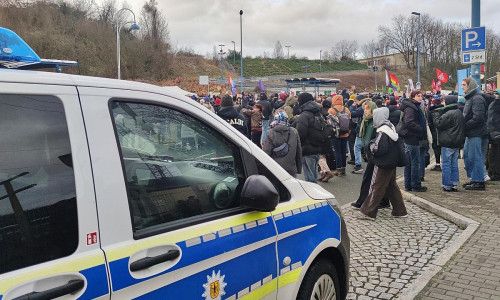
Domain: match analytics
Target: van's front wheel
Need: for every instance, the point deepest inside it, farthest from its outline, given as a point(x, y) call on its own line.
point(320, 283)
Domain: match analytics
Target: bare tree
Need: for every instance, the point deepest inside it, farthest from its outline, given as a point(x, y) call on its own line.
point(346, 50)
point(401, 37)
point(278, 51)
point(106, 11)
point(153, 23)
point(368, 50)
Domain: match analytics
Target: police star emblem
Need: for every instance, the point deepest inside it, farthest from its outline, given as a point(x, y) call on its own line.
point(214, 288)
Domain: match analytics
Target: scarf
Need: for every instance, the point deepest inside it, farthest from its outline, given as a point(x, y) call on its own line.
point(367, 119)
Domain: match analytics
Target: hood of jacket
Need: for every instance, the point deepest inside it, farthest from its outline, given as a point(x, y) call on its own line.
point(409, 103)
point(311, 106)
point(471, 89)
point(291, 100)
point(337, 100)
point(380, 117)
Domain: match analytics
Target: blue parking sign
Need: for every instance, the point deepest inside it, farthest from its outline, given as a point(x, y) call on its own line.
point(473, 39)
point(467, 57)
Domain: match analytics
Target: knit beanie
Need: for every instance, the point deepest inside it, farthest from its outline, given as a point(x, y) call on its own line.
point(448, 99)
point(262, 96)
point(227, 100)
point(305, 97)
point(352, 97)
point(360, 97)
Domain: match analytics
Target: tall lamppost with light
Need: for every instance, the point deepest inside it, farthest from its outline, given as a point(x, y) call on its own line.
point(134, 26)
point(375, 68)
point(320, 60)
point(241, 50)
point(418, 45)
point(288, 47)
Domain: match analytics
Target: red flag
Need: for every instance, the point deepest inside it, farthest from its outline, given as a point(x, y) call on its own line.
point(442, 76)
point(433, 85)
point(438, 85)
point(494, 85)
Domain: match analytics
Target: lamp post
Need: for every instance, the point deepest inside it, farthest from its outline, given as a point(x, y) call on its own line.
point(241, 51)
point(288, 47)
point(134, 26)
point(221, 66)
point(375, 69)
point(418, 46)
point(234, 52)
point(320, 60)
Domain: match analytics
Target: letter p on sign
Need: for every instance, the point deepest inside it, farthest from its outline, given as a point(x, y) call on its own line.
point(470, 37)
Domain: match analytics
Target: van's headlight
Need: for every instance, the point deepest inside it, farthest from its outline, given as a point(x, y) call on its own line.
point(335, 205)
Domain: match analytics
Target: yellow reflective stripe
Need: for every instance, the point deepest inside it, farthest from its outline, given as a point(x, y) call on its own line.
point(262, 291)
point(74, 264)
point(299, 204)
point(289, 277)
point(182, 235)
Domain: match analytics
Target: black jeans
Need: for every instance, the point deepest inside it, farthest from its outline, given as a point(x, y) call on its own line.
point(366, 184)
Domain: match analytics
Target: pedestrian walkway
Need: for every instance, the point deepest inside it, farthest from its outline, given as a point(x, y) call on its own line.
point(425, 256)
point(474, 271)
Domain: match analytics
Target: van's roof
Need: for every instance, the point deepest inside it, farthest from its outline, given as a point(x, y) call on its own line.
point(39, 77)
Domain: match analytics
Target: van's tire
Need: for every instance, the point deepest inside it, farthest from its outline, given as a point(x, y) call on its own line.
point(320, 282)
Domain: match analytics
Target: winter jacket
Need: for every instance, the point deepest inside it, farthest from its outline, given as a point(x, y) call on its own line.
point(255, 118)
point(268, 109)
point(433, 128)
point(305, 125)
point(494, 121)
point(278, 104)
point(394, 114)
point(450, 124)
point(338, 104)
point(288, 107)
point(383, 151)
point(292, 162)
point(475, 113)
point(412, 131)
point(235, 119)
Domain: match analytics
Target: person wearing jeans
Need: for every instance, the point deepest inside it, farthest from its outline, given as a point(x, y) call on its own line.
point(449, 167)
point(450, 125)
point(412, 171)
point(310, 167)
point(475, 129)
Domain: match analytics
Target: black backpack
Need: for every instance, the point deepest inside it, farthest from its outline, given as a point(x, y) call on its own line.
point(321, 133)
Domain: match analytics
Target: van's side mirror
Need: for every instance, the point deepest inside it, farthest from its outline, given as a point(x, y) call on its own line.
point(259, 193)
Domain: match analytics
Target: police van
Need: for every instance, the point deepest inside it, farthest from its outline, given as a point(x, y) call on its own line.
point(114, 189)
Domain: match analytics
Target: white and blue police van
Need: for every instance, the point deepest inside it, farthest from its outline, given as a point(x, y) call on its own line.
point(114, 189)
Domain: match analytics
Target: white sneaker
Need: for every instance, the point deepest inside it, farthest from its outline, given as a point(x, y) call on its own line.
point(486, 178)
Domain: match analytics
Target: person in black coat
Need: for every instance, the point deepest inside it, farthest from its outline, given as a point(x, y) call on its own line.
point(494, 129)
point(475, 129)
point(229, 113)
point(394, 112)
point(435, 104)
point(450, 125)
point(383, 152)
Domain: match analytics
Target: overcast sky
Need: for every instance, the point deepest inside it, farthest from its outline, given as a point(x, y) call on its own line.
point(308, 26)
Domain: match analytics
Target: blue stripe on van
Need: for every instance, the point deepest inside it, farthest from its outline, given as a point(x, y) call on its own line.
point(97, 282)
point(121, 278)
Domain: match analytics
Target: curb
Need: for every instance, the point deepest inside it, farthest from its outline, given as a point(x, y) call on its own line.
point(470, 226)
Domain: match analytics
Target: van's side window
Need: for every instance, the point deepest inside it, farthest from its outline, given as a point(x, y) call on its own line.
point(177, 169)
point(38, 214)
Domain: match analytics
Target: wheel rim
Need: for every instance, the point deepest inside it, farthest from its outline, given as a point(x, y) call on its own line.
point(324, 288)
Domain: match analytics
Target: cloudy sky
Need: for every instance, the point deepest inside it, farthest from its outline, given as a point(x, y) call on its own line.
point(308, 26)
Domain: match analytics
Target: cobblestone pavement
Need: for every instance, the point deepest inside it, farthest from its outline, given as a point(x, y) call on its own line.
point(474, 270)
point(388, 254)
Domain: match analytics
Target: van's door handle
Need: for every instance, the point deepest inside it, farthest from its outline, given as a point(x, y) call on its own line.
point(71, 287)
point(147, 262)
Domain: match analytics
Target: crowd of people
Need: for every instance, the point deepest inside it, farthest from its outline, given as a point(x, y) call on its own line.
point(319, 136)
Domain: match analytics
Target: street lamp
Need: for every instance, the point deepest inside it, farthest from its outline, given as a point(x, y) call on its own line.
point(375, 69)
point(221, 66)
point(234, 52)
point(134, 26)
point(320, 60)
point(418, 46)
point(241, 51)
point(288, 47)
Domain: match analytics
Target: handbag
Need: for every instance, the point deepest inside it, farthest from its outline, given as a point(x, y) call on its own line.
point(282, 150)
point(403, 160)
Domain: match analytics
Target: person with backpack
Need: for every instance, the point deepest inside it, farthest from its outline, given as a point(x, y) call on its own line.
point(327, 155)
point(340, 118)
point(283, 144)
point(450, 136)
point(494, 139)
point(475, 129)
point(313, 132)
point(383, 152)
